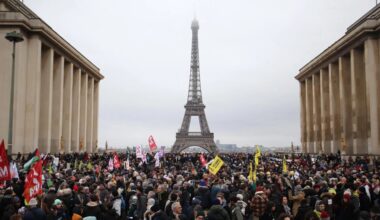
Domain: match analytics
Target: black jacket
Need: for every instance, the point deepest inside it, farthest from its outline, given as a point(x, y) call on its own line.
point(34, 214)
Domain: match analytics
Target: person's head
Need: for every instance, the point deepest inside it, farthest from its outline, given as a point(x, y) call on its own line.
point(317, 187)
point(33, 202)
point(57, 204)
point(284, 216)
point(200, 215)
point(176, 208)
point(319, 206)
point(173, 197)
point(16, 202)
point(94, 198)
point(346, 198)
point(217, 212)
point(284, 200)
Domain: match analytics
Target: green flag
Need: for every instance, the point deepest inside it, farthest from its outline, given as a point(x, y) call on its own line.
point(80, 165)
point(89, 166)
point(50, 170)
point(28, 164)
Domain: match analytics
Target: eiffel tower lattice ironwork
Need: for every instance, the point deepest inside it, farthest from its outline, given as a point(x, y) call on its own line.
point(194, 107)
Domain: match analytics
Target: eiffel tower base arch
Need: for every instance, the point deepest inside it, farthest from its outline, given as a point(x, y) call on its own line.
point(184, 141)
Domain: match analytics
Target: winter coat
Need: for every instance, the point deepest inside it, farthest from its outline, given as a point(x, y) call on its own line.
point(204, 194)
point(160, 215)
point(92, 209)
point(34, 214)
point(346, 212)
point(116, 205)
point(296, 201)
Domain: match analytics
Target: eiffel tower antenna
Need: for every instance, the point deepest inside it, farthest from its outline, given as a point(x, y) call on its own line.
point(195, 9)
point(194, 106)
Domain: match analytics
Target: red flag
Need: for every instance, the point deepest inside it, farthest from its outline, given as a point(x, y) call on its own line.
point(33, 182)
point(203, 160)
point(116, 161)
point(5, 173)
point(152, 143)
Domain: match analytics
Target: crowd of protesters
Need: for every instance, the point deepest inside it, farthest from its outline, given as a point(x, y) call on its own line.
point(81, 186)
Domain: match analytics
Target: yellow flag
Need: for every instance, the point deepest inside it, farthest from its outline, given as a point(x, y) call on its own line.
point(250, 175)
point(50, 170)
point(215, 165)
point(254, 176)
point(284, 166)
point(258, 151)
point(256, 160)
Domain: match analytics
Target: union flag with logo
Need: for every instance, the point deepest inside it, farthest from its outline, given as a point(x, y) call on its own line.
point(5, 173)
point(116, 161)
point(152, 144)
point(33, 182)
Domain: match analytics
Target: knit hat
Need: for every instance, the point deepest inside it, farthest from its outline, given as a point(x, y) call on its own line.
point(346, 196)
point(239, 196)
point(259, 189)
point(57, 202)
point(33, 202)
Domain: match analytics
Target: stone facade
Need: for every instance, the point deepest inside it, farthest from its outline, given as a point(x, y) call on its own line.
point(340, 92)
point(56, 88)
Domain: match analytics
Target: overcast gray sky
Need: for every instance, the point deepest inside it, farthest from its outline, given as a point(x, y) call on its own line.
point(250, 51)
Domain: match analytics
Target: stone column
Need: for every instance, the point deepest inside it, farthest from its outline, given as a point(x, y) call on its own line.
point(90, 105)
point(32, 95)
point(95, 116)
point(372, 71)
point(6, 49)
point(21, 63)
point(57, 104)
point(359, 102)
point(303, 116)
point(309, 115)
point(67, 106)
point(75, 124)
point(334, 106)
point(83, 112)
point(345, 103)
point(325, 111)
point(46, 99)
point(317, 112)
point(5, 83)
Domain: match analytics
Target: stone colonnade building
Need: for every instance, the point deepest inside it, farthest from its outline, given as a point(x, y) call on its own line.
point(340, 92)
point(56, 95)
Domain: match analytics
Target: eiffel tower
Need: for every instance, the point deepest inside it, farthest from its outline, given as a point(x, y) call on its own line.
point(194, 107)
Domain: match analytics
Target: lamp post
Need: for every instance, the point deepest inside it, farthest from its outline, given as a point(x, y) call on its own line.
point(13, 37)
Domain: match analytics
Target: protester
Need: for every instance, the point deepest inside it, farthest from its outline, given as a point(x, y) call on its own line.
point(181, 186)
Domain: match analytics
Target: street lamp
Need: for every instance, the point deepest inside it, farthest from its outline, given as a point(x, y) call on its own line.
point(13, 37)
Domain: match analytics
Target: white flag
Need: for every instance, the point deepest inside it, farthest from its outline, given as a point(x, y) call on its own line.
point(110, 165)
point(139, 153)
point(144, 157)
point(126, 164)
point(55, 163)
point(157, 157)
point(13, 170)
